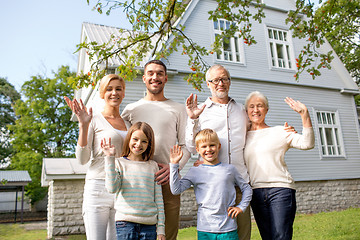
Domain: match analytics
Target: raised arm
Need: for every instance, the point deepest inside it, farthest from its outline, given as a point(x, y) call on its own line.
point(84, 118)
point(300, 108)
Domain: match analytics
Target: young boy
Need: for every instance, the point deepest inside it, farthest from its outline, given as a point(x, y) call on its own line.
point(214, 185)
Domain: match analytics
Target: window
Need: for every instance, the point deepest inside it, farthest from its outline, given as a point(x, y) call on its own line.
point(280, 50)
point(330, 134)
point(232, 48)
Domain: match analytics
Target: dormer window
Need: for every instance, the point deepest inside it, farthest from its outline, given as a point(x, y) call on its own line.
point(232, 47)
point(281, 53)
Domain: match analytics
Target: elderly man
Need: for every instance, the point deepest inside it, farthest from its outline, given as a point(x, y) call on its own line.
point(228, 118)
point(168, 120)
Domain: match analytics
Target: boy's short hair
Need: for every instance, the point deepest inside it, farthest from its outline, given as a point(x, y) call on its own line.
point(206, 134)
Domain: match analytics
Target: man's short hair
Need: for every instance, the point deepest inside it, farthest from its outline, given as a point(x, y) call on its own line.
point(205, 135)
point(214, 67)
point(155, 61)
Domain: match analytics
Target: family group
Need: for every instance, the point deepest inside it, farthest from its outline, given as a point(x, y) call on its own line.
point(133, 185)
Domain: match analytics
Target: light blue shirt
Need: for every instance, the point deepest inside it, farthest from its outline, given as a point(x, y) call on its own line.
point(214, 187)
point(230, 123)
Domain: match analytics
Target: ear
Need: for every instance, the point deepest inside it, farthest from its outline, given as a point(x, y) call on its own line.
point(207, 84)
point(143, 77)
point(219, 146)
point(166, 78)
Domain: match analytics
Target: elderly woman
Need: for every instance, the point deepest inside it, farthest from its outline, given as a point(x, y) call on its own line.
point(273, 202)
point(98, 203)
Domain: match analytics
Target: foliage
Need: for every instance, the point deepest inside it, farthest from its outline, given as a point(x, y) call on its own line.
point(8, 97)
point(43, 128)
point(156, 32)
point(340, 22)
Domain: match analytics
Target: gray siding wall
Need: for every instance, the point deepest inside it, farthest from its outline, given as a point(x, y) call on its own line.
point(257, 64)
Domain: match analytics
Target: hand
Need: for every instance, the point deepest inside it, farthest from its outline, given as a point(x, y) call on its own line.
point(162, 176)
point(297, 106)
point(108, 149)
point(161, 237)
point(175, 154)
point(79, 110)
point(192, 109)
point(233, 212)
point(289, 128)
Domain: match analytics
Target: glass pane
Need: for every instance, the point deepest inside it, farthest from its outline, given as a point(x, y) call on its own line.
point(281, 36)
point(238, 57)
point(333, 118)
point(330, 150)
point(236, 40)
point(216, 25)
point(226, 44)
point(323, 150)
point(270, 33)
point(324, 118)
point(319, 118)
point(222, 24)
point(321, 136)
point(276, 35)
point(288, 55)
point(329, 136)
point(329, 118)
point(279, 49)
point(227, 24)
point(285, 36)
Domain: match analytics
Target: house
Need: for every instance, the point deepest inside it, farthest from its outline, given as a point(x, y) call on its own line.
point(328, 176)
point(11, 183)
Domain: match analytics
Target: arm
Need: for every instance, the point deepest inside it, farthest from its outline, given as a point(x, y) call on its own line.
point(112, 179)
point(177, 185)
point(160, 206)
point(192, 125)
point(83, 150)
point(245, 189)
point(307, 139)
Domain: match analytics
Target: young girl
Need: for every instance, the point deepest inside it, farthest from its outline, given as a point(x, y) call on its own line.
point(139, 204)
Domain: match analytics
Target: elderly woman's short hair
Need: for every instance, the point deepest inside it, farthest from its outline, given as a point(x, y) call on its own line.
point(259, 95)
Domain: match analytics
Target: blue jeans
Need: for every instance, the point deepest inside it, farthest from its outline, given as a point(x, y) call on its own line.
point(135, 231)
point(274, 211)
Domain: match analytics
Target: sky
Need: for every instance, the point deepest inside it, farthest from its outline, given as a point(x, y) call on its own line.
point(39, 36)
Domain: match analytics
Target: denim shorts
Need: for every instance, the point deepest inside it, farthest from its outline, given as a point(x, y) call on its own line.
point(135, 231)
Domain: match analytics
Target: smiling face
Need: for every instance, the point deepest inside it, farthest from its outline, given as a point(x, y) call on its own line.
point(219, 91)
point(114, 93)
point(138, 145)
point(256, 110)
point(209, 151)
point(155, 78)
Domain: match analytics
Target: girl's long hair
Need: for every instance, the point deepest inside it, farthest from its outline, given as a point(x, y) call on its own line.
point(149, 133)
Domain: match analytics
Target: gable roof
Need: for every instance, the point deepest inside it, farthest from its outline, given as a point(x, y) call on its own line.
point(62, 168)
point(107, 35)
point(15, 178)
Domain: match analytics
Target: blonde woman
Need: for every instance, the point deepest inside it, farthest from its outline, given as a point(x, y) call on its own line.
point(98, 203)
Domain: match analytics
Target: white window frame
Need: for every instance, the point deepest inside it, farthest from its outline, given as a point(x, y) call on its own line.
point(235, 50)
point(328, 129)
point(280, 39)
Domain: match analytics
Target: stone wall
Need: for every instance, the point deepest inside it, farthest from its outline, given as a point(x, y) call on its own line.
point(65, 207)
point(65, 202)
point(324, 196)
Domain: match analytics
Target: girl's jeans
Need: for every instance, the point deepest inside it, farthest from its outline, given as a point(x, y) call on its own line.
point(98, 211)
point(135, 231)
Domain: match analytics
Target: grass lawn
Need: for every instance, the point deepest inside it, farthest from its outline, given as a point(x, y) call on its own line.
point(343, 225)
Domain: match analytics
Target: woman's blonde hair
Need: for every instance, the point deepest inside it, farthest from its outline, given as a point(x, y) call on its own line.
point(104, 82)
point(149, 133)
point(205, 135)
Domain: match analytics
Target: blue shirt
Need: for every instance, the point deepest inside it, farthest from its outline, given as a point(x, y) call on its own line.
point(214, 187)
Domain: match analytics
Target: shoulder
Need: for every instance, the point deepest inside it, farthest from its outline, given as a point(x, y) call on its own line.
point(133, 104)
